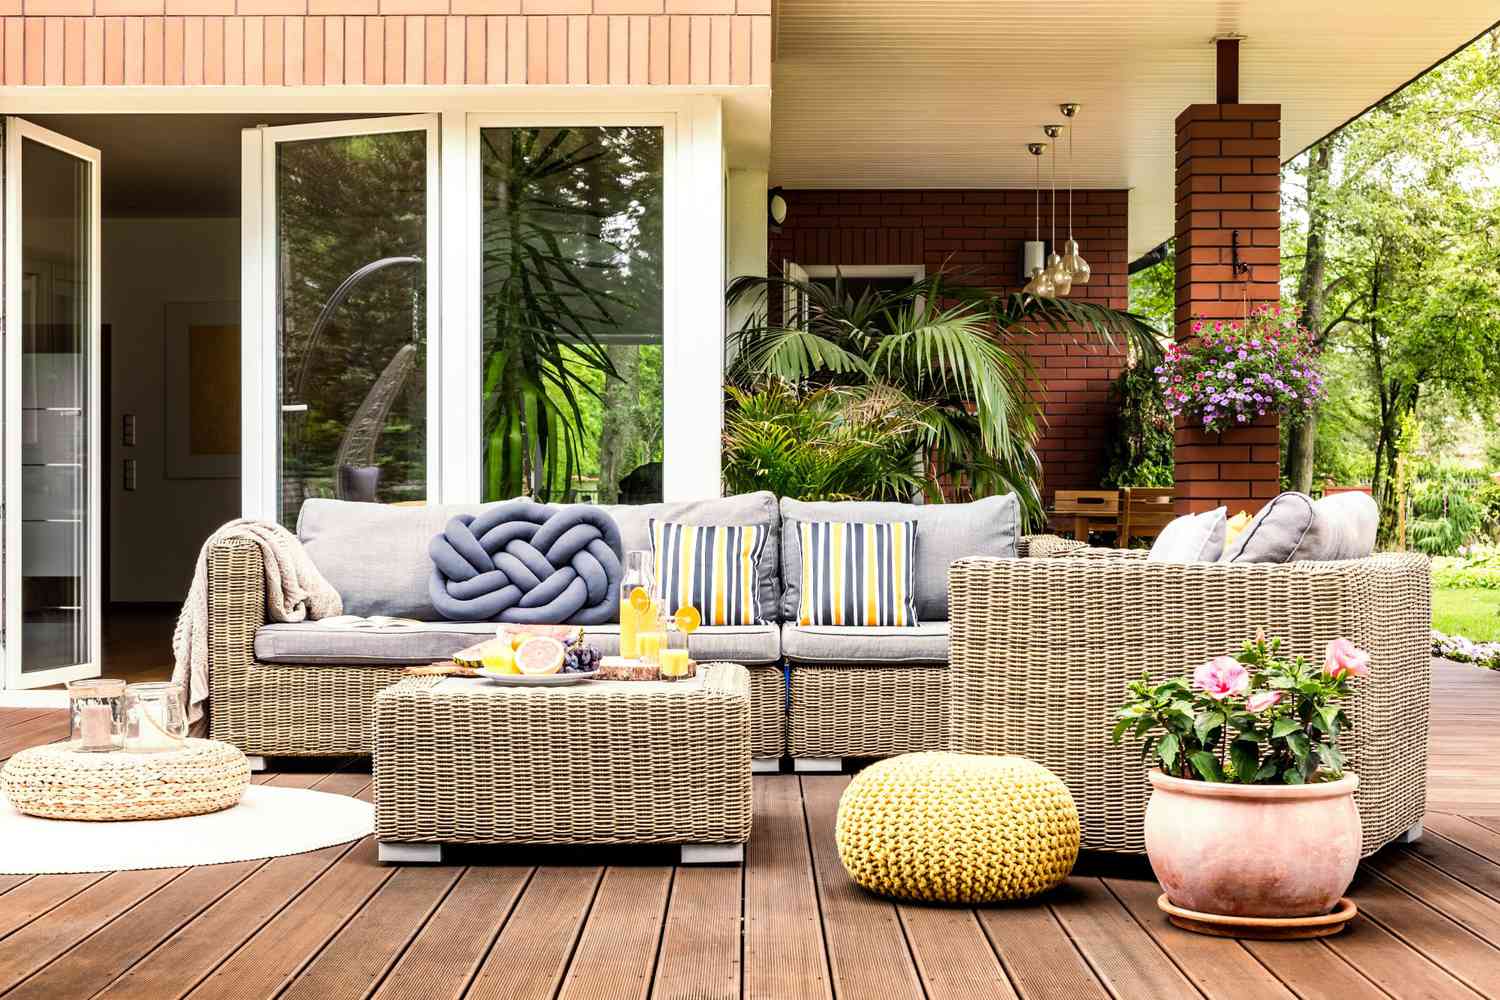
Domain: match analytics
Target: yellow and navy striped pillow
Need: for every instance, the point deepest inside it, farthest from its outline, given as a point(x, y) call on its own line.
point(858, 573)
point(712, 567)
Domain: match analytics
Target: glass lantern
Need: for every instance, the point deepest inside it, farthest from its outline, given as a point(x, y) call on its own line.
point(96, 714)
point(155, 718)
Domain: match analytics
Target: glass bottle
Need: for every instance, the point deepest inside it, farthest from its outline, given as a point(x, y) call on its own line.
point(96, 714)
point(675, 663)
point(637, 613)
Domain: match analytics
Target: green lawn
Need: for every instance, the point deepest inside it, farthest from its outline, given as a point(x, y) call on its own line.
point(1471, 613)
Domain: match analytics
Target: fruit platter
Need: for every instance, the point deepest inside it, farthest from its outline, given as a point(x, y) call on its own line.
point(532, 656)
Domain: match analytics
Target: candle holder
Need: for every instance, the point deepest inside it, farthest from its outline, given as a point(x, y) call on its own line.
point(96, 714)
point(155, 719)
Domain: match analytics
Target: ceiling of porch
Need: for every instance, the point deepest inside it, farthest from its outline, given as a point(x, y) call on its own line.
point(945, 93)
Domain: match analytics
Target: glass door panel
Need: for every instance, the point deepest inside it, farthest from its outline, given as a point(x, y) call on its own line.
point(51, 483)
point(571, 306)
point(353, 210)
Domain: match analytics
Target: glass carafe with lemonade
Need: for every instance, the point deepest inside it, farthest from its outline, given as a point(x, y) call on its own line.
point(639, 608)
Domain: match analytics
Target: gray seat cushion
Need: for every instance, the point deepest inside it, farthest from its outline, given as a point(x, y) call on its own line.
point(329, 642)
point(945, 532)
point(1295, 527)
point(375, 555)
point(839, 645)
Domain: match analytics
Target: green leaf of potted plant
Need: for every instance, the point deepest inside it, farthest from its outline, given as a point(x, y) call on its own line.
point(1252, 813)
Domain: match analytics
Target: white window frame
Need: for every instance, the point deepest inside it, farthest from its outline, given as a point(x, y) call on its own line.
point(261, 402)
point(694, 233)
point(11, 644)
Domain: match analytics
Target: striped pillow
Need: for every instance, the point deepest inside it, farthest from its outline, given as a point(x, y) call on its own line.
point(858, 573)
point(712, 567)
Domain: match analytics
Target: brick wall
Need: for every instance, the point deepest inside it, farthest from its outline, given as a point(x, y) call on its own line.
point(339, 42)
point(981, 232)
point(1228, 181)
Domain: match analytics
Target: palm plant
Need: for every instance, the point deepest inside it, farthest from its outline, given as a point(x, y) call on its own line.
point(953, 353)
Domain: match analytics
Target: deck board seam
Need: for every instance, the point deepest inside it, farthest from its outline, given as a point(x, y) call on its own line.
point(1408, 853)
point(1104, 883)
point(583, 923)
point(1083, 955)
point(1422, 955)
point(661, 932)
point(812, 865)
point(39, 916)
point(379, 981)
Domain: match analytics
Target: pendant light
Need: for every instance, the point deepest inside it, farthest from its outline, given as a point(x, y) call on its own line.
point(1072, 259)
point(1062, 278)
point(1040, 284)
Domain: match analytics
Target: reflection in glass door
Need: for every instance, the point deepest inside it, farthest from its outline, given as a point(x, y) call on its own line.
point(351, 209)
point(51, 401)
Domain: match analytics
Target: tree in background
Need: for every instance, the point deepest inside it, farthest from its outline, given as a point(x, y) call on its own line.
point(1396, 259)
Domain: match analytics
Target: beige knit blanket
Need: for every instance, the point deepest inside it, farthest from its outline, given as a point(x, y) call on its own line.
point(295, 591)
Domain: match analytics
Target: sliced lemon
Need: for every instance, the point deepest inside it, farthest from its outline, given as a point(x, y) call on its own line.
point(640, 600)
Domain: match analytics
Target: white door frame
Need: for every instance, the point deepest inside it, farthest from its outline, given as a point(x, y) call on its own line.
point(17, 130)
point(260, 394)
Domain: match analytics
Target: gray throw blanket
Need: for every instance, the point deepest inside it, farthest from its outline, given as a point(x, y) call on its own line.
point(295, 591)
point(526, 563)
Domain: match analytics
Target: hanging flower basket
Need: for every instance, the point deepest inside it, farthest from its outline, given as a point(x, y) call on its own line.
point(1239, 370)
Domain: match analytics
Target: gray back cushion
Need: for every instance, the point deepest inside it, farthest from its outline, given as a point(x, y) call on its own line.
point(376, 557)
point(945, 532)
point(1295, 527)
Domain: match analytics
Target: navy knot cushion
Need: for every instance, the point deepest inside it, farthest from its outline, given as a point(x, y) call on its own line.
point(528, 564)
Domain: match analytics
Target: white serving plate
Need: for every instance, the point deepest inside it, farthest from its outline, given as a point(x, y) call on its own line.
point(537, 680)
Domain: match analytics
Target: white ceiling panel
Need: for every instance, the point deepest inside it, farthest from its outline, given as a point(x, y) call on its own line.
point(945, 93)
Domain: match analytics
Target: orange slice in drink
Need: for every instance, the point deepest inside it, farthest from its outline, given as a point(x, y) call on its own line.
point(640, 600)
point(539, 655)
point(687, 619)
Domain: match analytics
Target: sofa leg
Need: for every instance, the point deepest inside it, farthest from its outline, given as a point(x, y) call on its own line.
point(1410, 835)
point(393, 853)
point(713, 854)
point(765, 765)
point(257, 763)
point(818, 765)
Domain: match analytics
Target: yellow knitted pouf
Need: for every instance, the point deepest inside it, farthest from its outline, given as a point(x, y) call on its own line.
point(957, 828)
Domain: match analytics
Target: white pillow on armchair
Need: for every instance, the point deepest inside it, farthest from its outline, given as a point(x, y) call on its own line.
point(1191, 538)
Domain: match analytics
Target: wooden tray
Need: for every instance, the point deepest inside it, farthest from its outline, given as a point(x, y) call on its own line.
point(1260, 928)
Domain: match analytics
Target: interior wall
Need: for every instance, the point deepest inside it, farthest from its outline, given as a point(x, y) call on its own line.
point(157, 529)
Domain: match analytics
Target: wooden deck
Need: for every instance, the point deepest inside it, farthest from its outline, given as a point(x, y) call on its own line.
point(620, 924)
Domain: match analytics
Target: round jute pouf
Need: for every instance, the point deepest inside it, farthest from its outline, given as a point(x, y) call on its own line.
point(957, 828)
point(57, 781)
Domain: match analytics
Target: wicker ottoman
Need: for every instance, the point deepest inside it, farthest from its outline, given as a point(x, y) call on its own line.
point(956, 828)
point(58, 782)
point(464, 761)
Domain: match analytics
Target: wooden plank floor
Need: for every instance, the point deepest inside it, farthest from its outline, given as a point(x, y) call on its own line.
point(621, 924)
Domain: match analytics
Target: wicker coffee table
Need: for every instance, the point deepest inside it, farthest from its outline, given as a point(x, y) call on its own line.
point(58, 781)
point(465, 761)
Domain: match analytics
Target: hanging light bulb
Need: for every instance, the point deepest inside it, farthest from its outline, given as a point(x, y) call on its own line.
point(1072, 259)
point(1062, 278)
point(1040, 284)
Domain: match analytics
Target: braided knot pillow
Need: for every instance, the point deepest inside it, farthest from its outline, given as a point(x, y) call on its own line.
point(526, 563)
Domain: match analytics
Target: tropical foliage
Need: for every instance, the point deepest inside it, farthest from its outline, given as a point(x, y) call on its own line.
point(1253, 719)
point(949, 356)
point(1139, 451)
point(571, 307)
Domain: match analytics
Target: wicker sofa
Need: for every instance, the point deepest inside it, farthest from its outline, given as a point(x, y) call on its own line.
point(818, 694)
point(1042, 650)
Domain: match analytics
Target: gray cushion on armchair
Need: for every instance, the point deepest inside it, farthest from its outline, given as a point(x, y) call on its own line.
point(945, 532)
point(1295, 527)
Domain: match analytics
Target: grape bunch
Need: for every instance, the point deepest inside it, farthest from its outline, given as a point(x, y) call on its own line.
point(581, 659)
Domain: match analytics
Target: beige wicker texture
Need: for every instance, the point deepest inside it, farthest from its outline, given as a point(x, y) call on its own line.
point(957, 828)
point(60, 782)
point(1041, 651)
point(597, 763)
point(767, 711)
point(325, 710)
point(849, 710)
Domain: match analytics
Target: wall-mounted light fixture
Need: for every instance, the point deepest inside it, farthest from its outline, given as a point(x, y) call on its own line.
point(776, 206)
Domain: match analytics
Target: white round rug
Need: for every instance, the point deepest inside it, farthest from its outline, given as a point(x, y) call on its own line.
point(269, 822)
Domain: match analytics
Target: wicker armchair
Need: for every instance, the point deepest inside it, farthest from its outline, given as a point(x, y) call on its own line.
point(1041, 651)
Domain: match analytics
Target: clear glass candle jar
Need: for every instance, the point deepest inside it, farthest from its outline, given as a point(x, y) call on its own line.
point(96, 714)
point(155, 717)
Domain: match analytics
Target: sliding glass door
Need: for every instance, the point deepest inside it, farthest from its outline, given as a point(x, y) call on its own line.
point(51, 407)
point(345, 275)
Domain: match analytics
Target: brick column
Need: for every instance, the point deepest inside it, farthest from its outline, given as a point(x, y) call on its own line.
point(1228, 179)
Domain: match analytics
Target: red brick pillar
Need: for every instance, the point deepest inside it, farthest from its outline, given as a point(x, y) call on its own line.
point(1228, 179)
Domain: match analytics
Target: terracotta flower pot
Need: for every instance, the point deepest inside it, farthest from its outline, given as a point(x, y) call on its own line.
point(1253, 850)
